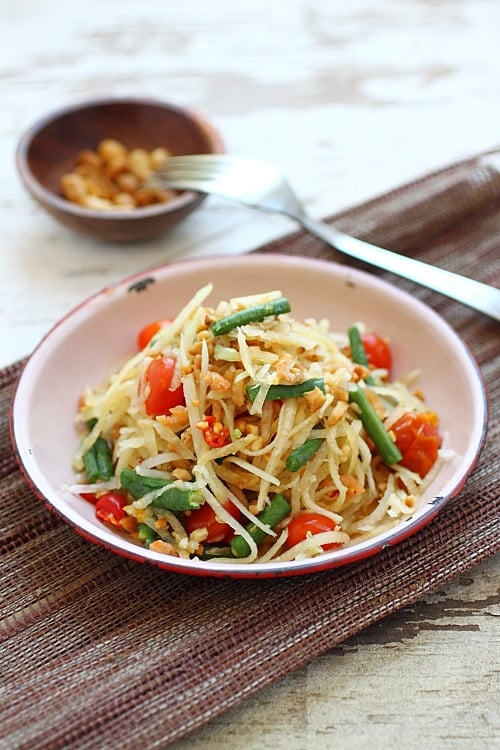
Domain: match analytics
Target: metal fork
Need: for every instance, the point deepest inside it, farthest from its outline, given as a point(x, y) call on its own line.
point(259, 184)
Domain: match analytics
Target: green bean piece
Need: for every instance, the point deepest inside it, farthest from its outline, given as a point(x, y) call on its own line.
point(90, 464)
point(146, 534)
point(172, 497)
point(250, 315)
point(278, 392)
point(388, 450)
point(138, 485)
point(301, 455)
point(176, 499)
point(98, 460)
point(358, 353)
point(275, 512)
point(104, 458)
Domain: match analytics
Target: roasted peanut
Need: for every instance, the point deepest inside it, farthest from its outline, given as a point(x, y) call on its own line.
point(74, 187)
point(110, 148)
point(112, 177)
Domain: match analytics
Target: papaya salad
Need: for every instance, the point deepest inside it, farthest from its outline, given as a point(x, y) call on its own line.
point(240, 434)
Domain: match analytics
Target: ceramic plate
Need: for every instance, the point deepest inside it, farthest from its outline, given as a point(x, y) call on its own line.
point(100, 334)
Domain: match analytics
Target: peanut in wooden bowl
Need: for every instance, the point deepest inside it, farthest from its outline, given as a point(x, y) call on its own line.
point(49, 149)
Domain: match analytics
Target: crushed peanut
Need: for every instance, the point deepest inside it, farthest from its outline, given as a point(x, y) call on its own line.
point(176, 420)
point(288, 371)
point(337, 413)
point(238, 393)
point(217, 381)
point(129, 523)
point(315, 399)
point(183, 474)
point(165, 547)
point(341, 394)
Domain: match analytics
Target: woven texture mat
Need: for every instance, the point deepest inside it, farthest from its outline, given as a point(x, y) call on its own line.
point(100, 652)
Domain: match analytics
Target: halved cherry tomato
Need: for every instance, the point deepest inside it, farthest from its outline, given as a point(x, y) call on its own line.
point(310, 523)
point(215, 434)
point(109, 508)
point(378, 351)
point(205, 518)
point(89, 496)
point(147, 333)
point(160, 397)
point(418, 440)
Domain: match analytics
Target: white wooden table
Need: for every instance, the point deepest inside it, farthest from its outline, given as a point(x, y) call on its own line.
point(350, 99)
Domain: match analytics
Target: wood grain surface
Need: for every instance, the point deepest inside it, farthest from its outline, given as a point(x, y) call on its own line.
point(420, 678)
point(350, 99)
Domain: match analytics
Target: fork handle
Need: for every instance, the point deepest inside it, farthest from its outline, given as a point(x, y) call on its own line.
point(473, 293)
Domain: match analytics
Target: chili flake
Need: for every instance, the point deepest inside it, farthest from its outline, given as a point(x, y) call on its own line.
point(215, 434)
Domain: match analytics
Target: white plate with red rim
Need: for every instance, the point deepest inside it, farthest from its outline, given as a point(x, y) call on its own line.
point(98, 335)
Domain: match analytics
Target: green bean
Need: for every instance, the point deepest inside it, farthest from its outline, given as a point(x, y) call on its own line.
point(97, 460)
point(387, 449)
point(358, 353)
point(104, 458)
point(146, 534)
point(278, 392)
point(176, 499)
point(301, 455)
point(250, 315)
point(275, 512)
point(172, 498)
point(138, 485)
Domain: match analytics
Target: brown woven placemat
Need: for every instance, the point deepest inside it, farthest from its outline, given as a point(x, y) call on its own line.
point(100, 652)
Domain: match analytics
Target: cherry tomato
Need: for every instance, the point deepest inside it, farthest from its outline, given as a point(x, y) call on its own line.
point(215, 434)
point(89, 497)
point(205, 518)
point(378, 351)
point(109, 508)
point(418, 440)
point(160, 398)
point(310, 523)
point(147, 333)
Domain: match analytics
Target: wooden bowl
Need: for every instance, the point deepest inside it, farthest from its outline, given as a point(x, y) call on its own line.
point(49, 149)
